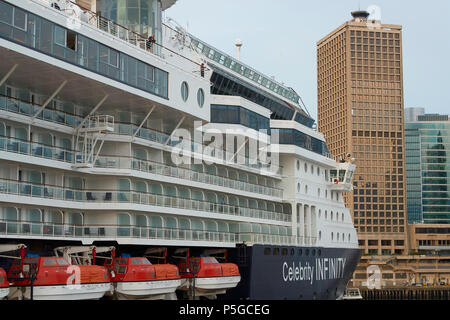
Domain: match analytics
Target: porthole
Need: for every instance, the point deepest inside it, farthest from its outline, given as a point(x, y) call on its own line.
point(337, 236)
point(306, 167)
point(332, 236)
point(292, 251)
point(342, 217)
point(298, 187)
point(320, 235)
point(314, 252)
point(298, 165)
point(300, 252)
point(184, 91)
point(307, 252)
point(349, 237)
point(200, 98)
point(319, 252)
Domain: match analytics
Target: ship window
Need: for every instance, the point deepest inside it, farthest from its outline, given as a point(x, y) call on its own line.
point(121, 269)
point(20, 19)
point(300, 252)
point(145, 261)
point(65, 38)
point(319, 252)
point(307, 252)
point(136, 261)
point(284, 252)
point(292, 252)
point(49, 262)
point(61, 261)
point(267, 251)
point(201, 98)
point(314, 252)
point(276, 251)
point(6, 13)
point(184, 91)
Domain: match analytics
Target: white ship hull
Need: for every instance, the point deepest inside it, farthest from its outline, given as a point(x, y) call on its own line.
point(61, 292)
point(147, 289)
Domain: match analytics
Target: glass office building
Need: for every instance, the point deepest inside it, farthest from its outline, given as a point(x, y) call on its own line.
point(428, 168)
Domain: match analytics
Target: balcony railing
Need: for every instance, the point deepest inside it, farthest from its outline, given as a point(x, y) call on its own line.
point(26, 108)
point(48, 229)
point(184, 173)
point(220, 156)
point(29, 109)
point(41, 150)
point(37, 190)
point(111, 232)
point(36, 149)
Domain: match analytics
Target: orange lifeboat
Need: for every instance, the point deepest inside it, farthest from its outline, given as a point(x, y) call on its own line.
point(53, 278)
point(208, 276)
point(137, 278)
point(4, 284)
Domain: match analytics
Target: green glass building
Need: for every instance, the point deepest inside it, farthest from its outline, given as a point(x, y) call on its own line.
point(427, 145)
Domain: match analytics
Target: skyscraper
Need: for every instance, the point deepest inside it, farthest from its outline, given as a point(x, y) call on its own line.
point(360, 111)
point(427, 170)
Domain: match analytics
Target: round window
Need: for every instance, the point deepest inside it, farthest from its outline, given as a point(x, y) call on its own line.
point(184, 91)
point(200, 98)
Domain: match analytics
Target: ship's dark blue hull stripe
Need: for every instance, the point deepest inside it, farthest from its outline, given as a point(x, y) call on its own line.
point(323, 274)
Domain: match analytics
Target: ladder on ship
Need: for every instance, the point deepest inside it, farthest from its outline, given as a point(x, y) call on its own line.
point(90, 139)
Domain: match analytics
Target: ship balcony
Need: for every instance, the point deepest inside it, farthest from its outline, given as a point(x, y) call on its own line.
point(107, 124)
point(341, 178)
point(87, 198)
point(39, 230)
point(69, 156)
point(93, 232)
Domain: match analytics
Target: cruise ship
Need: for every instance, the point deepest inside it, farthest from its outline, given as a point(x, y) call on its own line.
point(122, 133)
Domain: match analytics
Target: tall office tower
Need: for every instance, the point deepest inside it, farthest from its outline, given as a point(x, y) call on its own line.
point(427, 171)
point(360, 111)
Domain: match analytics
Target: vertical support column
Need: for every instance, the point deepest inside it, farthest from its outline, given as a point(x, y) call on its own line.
point(294, 219)
point(301, 224)
point(308, 224)
point(314, 224)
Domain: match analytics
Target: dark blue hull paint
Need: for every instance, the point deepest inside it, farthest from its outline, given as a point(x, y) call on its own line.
point(269, 276)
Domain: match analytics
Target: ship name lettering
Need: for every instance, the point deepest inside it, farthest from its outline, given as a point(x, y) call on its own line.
point(330, 268)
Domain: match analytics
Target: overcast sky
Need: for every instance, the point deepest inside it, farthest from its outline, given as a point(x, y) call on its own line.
point(280, 39)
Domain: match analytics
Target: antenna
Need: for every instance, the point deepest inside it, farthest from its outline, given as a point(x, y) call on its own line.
point(238, 44)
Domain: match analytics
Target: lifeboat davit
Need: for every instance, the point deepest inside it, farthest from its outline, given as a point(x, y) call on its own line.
point(136, 278)
point(208, 276)
point(4, 284)
point(53, 278)
point(131, 277)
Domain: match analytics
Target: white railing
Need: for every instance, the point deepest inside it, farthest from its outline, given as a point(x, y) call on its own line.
point(113, 196)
